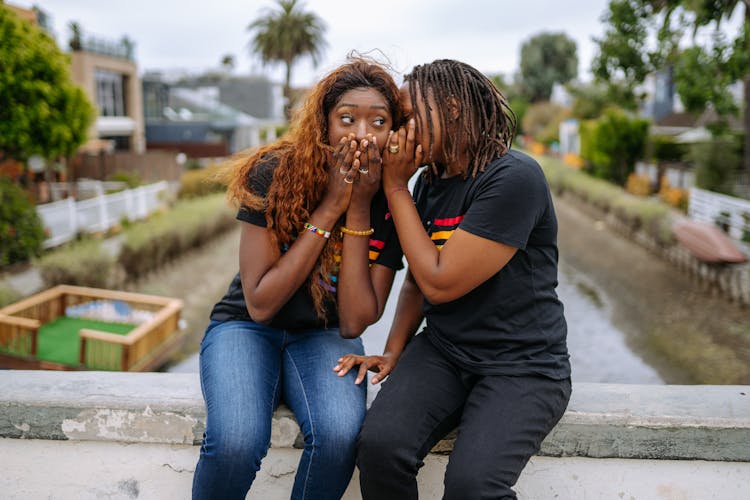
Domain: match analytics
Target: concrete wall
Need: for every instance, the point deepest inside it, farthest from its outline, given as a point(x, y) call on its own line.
point(79, 435)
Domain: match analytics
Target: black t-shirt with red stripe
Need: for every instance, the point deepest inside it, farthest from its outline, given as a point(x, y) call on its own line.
point(299, 312)
point(513, 323)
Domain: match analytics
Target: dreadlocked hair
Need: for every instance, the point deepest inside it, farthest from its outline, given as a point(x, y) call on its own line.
point(487, 123)
point(300, 177)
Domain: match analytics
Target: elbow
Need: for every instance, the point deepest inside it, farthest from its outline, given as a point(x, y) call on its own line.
point(260, 315)
point(351, 329)
point(437, 296)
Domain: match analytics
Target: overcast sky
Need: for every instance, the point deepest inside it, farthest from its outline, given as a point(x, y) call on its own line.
point(194, 35)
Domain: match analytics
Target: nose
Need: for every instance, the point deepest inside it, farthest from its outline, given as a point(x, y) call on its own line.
point(361, 129)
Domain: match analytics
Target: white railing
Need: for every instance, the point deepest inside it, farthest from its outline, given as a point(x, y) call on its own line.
point(729, 213)
point(64, 219)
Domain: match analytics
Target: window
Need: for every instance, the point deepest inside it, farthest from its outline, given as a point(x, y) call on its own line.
point(110, 97)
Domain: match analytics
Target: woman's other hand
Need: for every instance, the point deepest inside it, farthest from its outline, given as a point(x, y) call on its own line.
point(342, 172)
point(369, 171)
point(381, 365)
point(402, 157)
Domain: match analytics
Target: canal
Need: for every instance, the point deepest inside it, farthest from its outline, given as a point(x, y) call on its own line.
point(603, 347)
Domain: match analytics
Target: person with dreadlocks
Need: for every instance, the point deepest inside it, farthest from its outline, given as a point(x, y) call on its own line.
point(317, 257)
point(479, 237)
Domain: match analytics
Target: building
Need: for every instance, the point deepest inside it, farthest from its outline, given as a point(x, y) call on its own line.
point(108, 74)
point(210, 115)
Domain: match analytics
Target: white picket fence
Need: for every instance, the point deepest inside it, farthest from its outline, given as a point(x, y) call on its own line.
point(721, 210)
point(64, 219)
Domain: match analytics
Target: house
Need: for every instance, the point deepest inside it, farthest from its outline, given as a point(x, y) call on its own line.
point(107, 72)
point(210, 115)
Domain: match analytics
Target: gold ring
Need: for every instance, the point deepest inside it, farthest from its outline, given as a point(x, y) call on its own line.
point(346, 179)
point(393, 149)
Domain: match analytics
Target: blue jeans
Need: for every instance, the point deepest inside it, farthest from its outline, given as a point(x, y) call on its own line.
point(245, 369)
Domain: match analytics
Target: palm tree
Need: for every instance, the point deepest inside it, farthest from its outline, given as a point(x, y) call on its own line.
point(287, 34)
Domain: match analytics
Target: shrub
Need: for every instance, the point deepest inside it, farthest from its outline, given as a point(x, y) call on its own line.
point(7, 295)
point(21, 229)
point(716, 164)
point(83, 263)
point(204, 181)
point(189, 224)
point(639, 185)
point(665, 149)
point(612, 144)
point(131, 179)
point(542, 121)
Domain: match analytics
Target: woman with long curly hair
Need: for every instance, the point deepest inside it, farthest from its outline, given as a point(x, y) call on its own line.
point(318, 254)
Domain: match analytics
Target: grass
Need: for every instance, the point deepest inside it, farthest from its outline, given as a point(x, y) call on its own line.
point(59, 342)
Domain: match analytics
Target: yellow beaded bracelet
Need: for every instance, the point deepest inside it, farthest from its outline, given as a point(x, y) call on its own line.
point(352, 232)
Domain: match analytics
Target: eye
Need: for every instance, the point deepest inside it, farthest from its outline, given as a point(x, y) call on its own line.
point(347, 119)
point(379, 121)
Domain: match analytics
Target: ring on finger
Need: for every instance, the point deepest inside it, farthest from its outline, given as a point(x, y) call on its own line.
point(364, 170)
point(393, 148)
point(343, 170)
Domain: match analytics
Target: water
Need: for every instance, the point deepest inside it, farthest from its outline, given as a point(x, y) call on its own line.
point(598, 350)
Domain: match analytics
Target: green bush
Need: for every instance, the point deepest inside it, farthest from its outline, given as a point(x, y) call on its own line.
point(131, 179)
point(21, 229)
point(664, 149)
point(716, 164)
point(82, 263)
point(636, 212)
point(189, 224)
point(7, 295)
point(612, 144)
point(542, 121)
point(204, 181)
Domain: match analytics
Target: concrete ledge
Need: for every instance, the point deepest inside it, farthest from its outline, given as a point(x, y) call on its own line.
point(602, 421)
point(81, 435)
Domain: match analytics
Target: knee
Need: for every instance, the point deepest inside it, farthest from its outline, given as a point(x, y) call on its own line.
point(236, 448)
point(376, 445)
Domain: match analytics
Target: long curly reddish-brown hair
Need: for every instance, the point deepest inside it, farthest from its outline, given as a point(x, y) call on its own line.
point(301, 175)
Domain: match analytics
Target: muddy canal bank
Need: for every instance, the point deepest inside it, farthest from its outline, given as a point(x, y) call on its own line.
point(632, 316)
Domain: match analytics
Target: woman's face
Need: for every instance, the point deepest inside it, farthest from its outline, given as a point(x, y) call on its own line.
point(422, 135)
point(360, 111)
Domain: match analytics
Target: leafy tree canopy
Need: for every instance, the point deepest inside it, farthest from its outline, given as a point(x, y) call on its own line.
point(546, 59)
point(287, 34)
point(41, 111)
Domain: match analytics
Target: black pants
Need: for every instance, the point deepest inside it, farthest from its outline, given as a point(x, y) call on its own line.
point(501, 423)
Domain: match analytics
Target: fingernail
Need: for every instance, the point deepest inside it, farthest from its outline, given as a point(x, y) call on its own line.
point(411, 122)
point(365, 143)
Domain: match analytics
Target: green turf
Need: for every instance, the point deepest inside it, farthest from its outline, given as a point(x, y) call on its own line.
point(58, 341)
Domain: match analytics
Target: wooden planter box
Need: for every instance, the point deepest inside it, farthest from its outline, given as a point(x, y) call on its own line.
point(146, 348)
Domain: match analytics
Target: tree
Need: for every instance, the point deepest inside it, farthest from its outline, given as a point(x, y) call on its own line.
point(287, 34)
point(546, 59)
point(41, 111)
point(227, 63)
point(702, 70)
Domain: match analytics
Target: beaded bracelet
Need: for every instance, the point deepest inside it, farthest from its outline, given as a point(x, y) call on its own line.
point(317, 230)
point(352, 232)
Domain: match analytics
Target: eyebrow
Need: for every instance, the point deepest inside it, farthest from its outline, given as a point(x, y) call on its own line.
point(374, 106)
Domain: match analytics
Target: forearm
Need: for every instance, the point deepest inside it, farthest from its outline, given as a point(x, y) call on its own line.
point(407, 318)
point(267, 292)
point(359, 304)
point(420, 252)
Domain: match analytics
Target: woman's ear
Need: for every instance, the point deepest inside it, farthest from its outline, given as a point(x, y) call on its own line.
point(453, 108)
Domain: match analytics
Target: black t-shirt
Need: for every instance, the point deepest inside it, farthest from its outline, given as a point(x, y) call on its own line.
point(513, 323)
point(299, 312)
